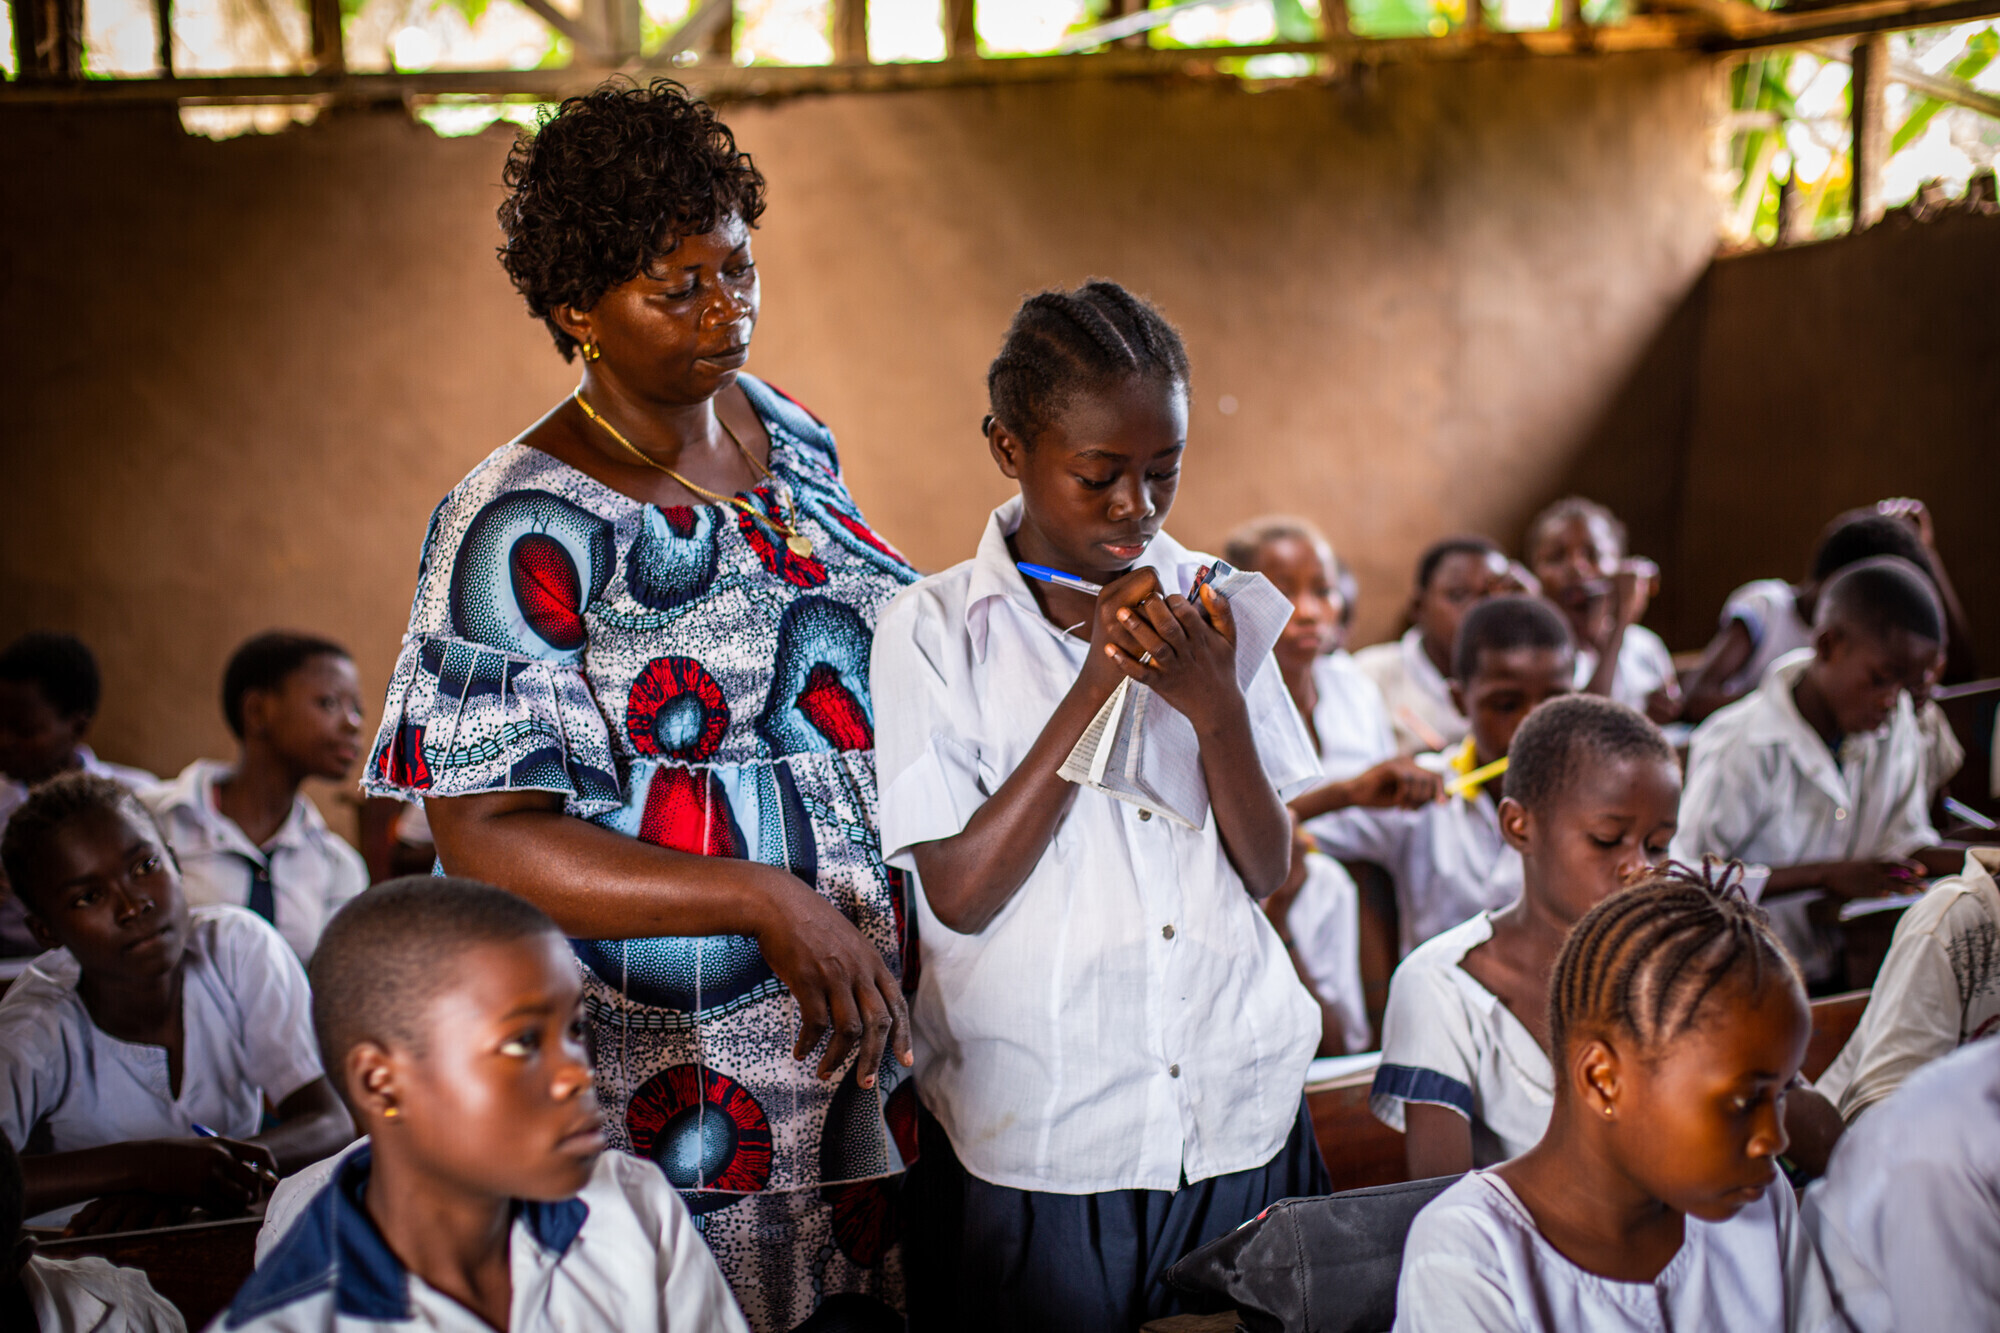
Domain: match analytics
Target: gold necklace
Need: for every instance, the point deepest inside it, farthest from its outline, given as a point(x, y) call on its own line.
point(795, 541)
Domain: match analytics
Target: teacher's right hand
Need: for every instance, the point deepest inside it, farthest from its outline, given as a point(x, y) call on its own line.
point(845, 992)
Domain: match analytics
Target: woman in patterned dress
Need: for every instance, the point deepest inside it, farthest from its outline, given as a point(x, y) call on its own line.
point(635, 691)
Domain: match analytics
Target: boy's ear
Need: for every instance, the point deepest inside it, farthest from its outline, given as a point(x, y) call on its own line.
point(372, 1080)
point(1828, 640)
point(1515, 823)
point(1005, 446)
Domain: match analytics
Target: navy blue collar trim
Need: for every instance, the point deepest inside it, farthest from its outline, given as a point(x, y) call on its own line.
point(335, 1245)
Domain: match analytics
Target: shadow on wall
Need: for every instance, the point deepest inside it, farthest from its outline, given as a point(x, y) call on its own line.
point(1793, 384)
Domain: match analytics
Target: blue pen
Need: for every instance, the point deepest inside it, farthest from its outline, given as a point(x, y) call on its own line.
point(1060, 579)
point(202, 1131)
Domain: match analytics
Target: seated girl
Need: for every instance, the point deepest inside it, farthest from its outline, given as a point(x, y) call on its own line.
point(1576, 547)
point(1654, 1199)
point(137, 1056)
point(1592, 790)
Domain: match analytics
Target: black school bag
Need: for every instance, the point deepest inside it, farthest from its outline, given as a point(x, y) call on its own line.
point(1324, 1265)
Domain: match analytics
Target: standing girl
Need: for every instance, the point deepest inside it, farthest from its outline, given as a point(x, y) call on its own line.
point(1108, 1031)
point(1654, 1201)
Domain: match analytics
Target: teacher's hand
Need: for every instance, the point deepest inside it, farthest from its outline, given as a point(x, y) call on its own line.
point(839, 980)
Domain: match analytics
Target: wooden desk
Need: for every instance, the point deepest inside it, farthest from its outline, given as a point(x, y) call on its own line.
point(198, 1267)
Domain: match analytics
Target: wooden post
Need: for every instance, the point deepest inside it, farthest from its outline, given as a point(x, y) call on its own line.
point(850, 32)
point(163, 24)
point(1870, 126)
point(961, 29)
point(48, 40)
point(722, 42)
point(1333, 13)
point(1118, 9)
point(329, 47)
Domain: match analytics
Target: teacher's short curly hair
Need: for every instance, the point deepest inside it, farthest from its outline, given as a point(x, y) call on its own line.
point(611, 181)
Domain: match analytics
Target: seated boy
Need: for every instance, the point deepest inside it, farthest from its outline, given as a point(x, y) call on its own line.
point(49, 692)
point(244, 833)
point(452, 1015)
point(1818, 779)
point(1449, 859)
point(1453, 576)
point(1577, 549)
point(1938, 989)
point(144, 1022)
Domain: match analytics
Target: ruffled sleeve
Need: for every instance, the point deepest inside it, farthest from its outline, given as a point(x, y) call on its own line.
point(491, 691)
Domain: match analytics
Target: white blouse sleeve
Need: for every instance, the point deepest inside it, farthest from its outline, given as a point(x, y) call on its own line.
point(925, 757)
point(264, 977)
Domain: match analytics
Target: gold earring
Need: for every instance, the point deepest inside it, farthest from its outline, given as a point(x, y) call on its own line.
point(592, 352)
point(390, 1113)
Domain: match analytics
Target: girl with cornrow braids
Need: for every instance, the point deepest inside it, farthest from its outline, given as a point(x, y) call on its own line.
point(1678, 1024)
point(1110, 1037)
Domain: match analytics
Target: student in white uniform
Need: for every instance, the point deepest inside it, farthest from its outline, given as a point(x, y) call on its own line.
point(1907, 1221)
point(1576, 547)
point(244, 832)
point(1317, 909)
point(1447, 857)
point(143, 1021)
point(483, 1197)
point(1108, 1031)
point(1453, 576)
point(1767, 619)
point(82, 1295)
point(1938, 989)
point(49, 692)
point(1818, 778)
point(1654, 1200)
point(1592, 790)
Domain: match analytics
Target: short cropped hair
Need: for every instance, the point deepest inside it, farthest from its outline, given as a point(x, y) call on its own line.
point(1062, 344)
point(58, 665)
point(1642, 962)
point(1502, 624)
point(1881, 596)
point(263, 663)
point(1440, 551)
point(1242, 547)
point(614, 179)
point(50, 806)
point(1559, 742)
point(387, 956)
point(1862, 534)
point(1567, 508)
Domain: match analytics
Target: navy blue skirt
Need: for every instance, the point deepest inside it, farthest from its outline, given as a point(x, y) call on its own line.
point(987, 1258)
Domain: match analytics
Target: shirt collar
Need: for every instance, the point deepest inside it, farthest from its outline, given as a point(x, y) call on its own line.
point(334, 1246)
point(1779, 722)
point(194, 791)
point(996, 578)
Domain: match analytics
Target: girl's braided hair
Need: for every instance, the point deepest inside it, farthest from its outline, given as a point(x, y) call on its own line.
point(1644, 960)
point(1062, 343)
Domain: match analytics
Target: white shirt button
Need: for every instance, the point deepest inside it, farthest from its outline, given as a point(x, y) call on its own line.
point(1840, 813)
point(1173, 1071)
point(1145, 815)
point(1167, 931)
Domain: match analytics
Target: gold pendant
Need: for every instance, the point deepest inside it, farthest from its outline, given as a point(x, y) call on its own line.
point(799, 545)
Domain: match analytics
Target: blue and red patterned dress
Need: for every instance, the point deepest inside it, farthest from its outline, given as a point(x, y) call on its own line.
point(682, 677)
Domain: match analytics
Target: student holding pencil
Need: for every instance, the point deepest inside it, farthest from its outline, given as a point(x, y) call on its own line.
point(1108, 1032)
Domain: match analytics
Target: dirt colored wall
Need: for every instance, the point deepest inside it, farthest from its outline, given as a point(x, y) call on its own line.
point(239, 375)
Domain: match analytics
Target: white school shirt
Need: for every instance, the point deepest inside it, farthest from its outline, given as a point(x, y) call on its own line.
point(1325, 926)
point(1644, 665)
point(1763, 788)
point(313, 871)
point(1769, 610)
point(1411, 683)
point(1129, 1015)
point(1447, 858)
point(1907, 1218)
point(1448, 1041)
point(1938, 989)
point(247, 1021)
point(1350, 718)
point(1474, 1260)
point(91, 1295)
point(623, 1254)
